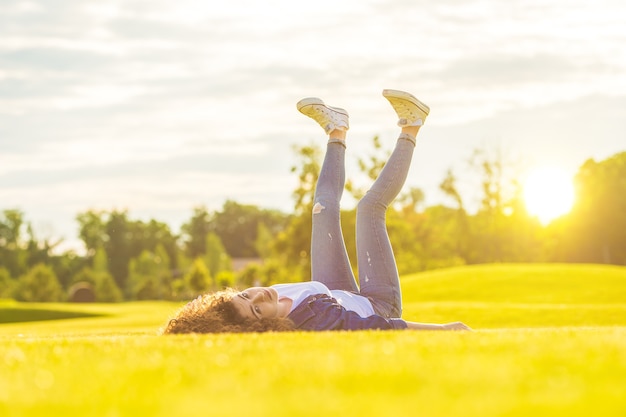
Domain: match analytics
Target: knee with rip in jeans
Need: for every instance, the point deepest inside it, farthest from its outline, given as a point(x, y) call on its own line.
point(318, 207)
point(326, 202)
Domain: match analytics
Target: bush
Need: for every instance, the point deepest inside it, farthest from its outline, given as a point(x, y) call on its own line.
point(107, 290)
point(104, 286)
point(198, 278)
point(39, 284)
point(224, 279)
point(81, 292)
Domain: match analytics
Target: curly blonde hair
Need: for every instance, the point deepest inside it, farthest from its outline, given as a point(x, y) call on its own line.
point(215, 313)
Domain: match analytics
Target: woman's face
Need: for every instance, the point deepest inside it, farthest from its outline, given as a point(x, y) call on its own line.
point(257, 303)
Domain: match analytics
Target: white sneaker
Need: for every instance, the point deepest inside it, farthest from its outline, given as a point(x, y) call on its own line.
point(410, 110)
point(330, 118)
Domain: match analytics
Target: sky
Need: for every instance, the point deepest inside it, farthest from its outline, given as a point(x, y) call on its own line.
point(157, 107)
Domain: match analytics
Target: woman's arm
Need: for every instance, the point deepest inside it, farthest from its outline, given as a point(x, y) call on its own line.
point(321, 312)
point(457, 325)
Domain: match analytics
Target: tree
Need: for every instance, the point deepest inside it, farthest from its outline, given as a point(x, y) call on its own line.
point(597, 231)
point(123, 240)
point(449, 187)
point(460, 222)
point(216, 258)
point(197, 278)
point(292, 246)
point(6, 283)
point(39, 284)
point(250, 276)
point(10, 228)
point(154, 236)
point(370, 167)
point(402, 216)
point(66, 265)
point(196, 231)
point(149, 276)
point(308, 173)
point(117, 246)
point(271, 272)
point(100, 262)
point(492, 238)
point(112, 232)
point(106, 289)
point(92, 230)
point(104, 285)
point(12, 255)
point(237, 226)
point(263, 242)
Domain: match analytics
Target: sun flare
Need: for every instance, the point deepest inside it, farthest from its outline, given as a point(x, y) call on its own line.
point(548, 193)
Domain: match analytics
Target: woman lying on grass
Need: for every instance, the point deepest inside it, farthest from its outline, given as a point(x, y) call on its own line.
point(331, 300)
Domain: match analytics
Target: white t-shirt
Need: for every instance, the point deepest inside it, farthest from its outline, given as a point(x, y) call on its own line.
point(297, 292)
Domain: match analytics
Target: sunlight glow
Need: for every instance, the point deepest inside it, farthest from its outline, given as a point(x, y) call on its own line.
point(548, 193)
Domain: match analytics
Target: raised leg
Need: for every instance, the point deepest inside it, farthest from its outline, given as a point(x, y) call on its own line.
point(378, 272)
point(329, 258)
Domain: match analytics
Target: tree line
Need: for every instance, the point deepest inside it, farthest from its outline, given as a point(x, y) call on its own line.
point(130, 259)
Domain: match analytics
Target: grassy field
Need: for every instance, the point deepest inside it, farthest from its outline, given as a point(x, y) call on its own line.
point(549, 340)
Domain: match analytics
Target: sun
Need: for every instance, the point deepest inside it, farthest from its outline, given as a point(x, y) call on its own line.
point(548, 193)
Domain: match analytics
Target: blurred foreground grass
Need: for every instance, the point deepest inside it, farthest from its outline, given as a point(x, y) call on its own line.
point(549, 340)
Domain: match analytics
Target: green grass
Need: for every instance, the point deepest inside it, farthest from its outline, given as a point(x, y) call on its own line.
point(549, 340)
point(519, 295)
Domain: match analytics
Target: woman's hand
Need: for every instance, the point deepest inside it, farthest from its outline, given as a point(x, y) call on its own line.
point(456, 325)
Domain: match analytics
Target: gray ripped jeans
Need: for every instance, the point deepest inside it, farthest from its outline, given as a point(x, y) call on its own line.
point(378, 273)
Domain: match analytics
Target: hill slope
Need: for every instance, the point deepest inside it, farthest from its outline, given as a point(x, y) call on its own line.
point(520, 283)
point(519, 295)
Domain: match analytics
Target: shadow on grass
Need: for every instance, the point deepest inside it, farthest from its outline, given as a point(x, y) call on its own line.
point(18, 315)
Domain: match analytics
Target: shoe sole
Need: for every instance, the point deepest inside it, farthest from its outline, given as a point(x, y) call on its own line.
point(314, 101)
point(406, 96)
